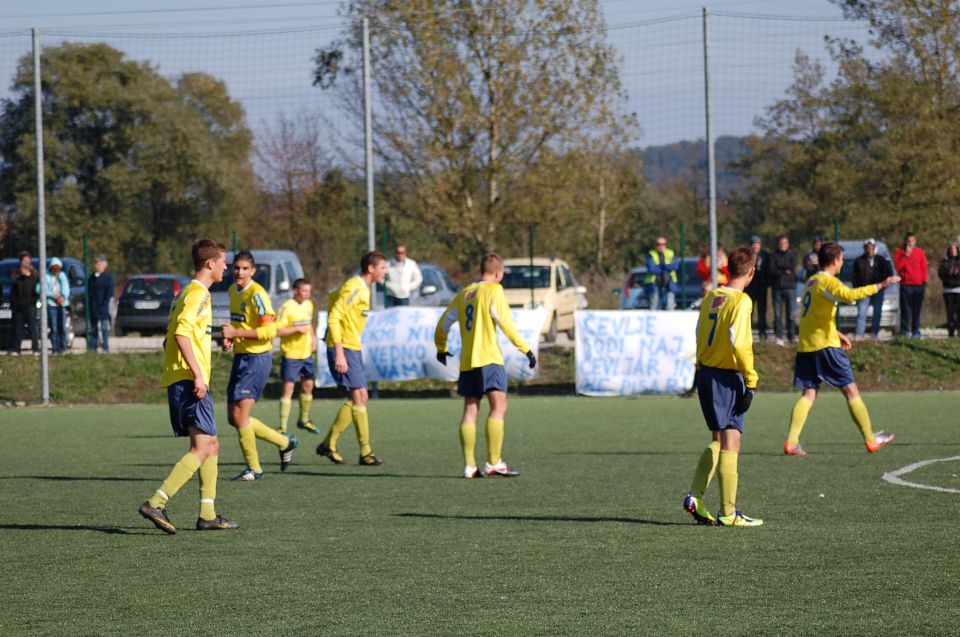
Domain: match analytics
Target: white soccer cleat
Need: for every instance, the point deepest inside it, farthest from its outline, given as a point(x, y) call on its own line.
point(500, 469)
point(472, 472)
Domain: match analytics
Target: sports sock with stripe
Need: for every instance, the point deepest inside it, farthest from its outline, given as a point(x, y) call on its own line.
point(179, 476)
point(208, 487)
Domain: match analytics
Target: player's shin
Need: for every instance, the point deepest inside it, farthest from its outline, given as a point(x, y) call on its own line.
point(285, 406)
point(340, 423)
point(860, 415)
point(179, 476)
point(362, 424)
point(468, 442)
point(798, 417)
point(728, 478)
point(274, 437)
point(248, 445)
point(706, 467)
point(208, 487)
point(494, 433)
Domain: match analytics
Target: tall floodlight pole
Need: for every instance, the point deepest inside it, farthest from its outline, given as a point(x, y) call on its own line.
point(711, 161)
point(41, 222)
point(368, 135)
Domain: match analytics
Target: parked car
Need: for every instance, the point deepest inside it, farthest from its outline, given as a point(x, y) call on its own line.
point(554, 288)
point(847, 314)
point(633, 296)
point(437, 289)
point(145, 302)
point(75, 322)
point(276, 272)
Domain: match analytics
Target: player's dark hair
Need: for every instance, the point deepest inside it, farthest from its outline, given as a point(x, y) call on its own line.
point(828, 253)
point(740, 261)
point(491, 263)
point(780, 237)
point(204, 250)
point(371, 258)
point(244, 255)
point(300, 282)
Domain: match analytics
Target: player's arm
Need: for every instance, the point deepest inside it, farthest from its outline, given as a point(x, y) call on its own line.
point(840, 293)
point(335, 324)
point(186, 326)
point(447, 319)
point(500, 311)
point(741, 341)
point(313, 330)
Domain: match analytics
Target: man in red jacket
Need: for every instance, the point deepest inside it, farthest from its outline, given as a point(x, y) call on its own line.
point(911, 264)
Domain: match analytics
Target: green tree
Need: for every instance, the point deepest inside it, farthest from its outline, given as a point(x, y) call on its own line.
point(487, 112)
point(140, 164)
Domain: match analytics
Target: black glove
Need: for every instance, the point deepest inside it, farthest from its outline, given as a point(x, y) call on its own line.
point(745, 401)
point(532, 359)
point(442, 357)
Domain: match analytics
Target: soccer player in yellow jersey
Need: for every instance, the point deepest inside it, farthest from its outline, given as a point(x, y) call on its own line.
point(298, 344)
point(348, 308)
point(186, 375)
point(820, 354)
point(479, 308)
point(250, 331)
point(726, 381)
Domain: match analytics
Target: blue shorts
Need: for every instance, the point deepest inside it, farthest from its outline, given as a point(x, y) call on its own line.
point(475, 383)
point(186, 411)
point(248, 376)
point(829, 365)
point(355, 378)
point(294, 369)
point(720, 390)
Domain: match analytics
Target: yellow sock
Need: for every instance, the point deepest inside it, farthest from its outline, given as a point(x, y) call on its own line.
point(727, 475)
point(706, 467)
point(208, 488)
point(362, 424)
point(494, 431)
point(285, 404)
point(179, 476)
point(248, 445)
point(468, 441)
point(274, 437)
point(858, 411)
point(305, 401)
point(798, 417)
point(340, 424)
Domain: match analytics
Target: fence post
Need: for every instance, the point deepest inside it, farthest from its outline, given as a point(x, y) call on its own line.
point(683, 270)
point(711, 160)
point(368, 135)
point(41, 222)
point(532, 298)
point(86, 292)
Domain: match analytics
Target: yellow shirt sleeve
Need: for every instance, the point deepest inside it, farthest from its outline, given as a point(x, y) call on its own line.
point(505, 319)
point(742, 341)
point(188, 320)
point(347, 295)
point(842, 294)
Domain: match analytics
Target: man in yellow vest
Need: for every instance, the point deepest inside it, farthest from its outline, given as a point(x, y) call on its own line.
point(661, 281)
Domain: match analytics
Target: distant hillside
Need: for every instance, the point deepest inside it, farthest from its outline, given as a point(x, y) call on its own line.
point(688, 161)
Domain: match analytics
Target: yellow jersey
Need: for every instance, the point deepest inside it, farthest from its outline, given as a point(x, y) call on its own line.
point(293, 314)
point(724, 334)
point(347, 311)
point(479, 308)
point(190, 316)
point(250, 309)
point(818, 310)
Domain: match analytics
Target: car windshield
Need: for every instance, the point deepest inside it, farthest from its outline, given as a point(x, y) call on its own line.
point(262, 276)
point(525, 276)
point(152, 287)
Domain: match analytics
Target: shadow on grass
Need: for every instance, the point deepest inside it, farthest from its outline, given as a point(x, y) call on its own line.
point(369, 475)
point(76, 478)
point(109, 530)
point(925, 349)
point(540, 518)
point(629, 453)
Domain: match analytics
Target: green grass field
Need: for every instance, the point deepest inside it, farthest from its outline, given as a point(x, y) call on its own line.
point(590, 540)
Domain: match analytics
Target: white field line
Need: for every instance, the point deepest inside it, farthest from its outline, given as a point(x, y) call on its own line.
point(893, 477)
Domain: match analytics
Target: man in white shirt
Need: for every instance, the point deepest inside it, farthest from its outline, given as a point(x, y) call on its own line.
point(403, 278)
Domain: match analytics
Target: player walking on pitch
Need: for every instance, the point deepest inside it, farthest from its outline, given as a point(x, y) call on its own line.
point(250, 331)
point(186, 375)
point(726, 381)
point(347, 311)
point(479, 308)
point(298, 344)
point(820, 354)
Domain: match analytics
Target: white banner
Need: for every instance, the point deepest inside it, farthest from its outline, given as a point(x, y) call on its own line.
point(398, 345)
point(631, 352)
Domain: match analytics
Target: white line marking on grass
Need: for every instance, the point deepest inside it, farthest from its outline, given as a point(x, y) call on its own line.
point(893, 477)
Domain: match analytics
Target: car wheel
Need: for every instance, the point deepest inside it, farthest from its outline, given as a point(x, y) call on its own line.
point(551, 334)
point(571, 333)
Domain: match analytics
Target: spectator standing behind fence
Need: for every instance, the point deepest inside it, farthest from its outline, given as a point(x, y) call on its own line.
point(703, 269)
point(661, 281)
point(811, 262)
point(58, 295)
point(101, 287)
point(759, 287)
point(868, 268)
point(23, 305)
point(783, 282)
point(911, 264)
point(949, 272)
point(403, 278)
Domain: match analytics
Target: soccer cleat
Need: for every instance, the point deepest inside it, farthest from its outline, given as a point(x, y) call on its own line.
point(308, 426)
point(500, 469)
point(793, 450)
point(694, 506)
point(880, 439)
point(472, 472)
point(158, 517)
point(738, 519)
point(218, 523)
point(335, 458)
point(248, 475)
point(370, 460)
point(286, 455)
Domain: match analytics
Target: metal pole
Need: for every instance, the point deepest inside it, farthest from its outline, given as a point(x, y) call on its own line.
point(235, 246)
point(86, 292)
point(683, 269)
point(532, 301)
point(836, 230)
point(41, 222)
point(368, 135)
point(711, 165)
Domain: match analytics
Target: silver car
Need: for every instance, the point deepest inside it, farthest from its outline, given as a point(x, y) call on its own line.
point(437, 289)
